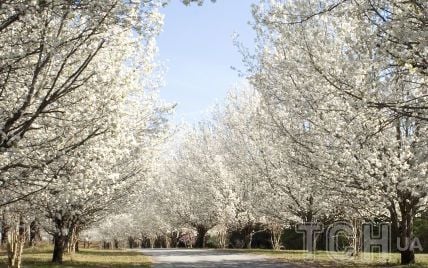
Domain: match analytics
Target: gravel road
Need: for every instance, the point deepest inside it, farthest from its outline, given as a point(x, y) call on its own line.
point(208, 258)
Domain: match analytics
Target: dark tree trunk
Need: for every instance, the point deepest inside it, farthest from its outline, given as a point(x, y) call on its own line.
point(200, 237)
point(174, 239)
point(407, 257)
point(76, 246)
point(248, 232)
point(60, 242)
point(131, 242)
point(406, 237)
point(407, 206)
point(4, 227)
point(394, 226)
point(248, 240)
point(407, 209)
point(61, 238)
point(106, 245)
point(4, 230)
point(145, 242)
point(116, 243)
point(395, 229)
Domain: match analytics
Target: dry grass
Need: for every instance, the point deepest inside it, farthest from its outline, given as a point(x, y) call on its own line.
point(87, 258)
point(325, 259)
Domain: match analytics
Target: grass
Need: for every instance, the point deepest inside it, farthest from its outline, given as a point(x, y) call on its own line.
point(93, 258)
point(326, 259)
point(87, 258)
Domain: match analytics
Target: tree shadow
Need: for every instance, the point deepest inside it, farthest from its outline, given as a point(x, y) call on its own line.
point(110, 253)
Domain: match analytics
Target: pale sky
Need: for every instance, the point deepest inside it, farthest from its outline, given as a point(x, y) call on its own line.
point(197, 47)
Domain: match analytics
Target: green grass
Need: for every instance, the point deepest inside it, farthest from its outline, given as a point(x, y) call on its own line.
point(326, 259)
point(87, 258)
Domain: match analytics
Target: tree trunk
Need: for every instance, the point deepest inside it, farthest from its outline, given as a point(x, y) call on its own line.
point(152, 241)
point(115, 244)
point(407, 203)
point(222, 238)
point(87, 243)
point(200, 237)
point(356, 236)
point(406, 236)
point(15, 244)
point(167, 241)
point(395, 226)
point(131, 242)
point(60, 242)
point(248, 232)
point(4, 231)
point(175, 235)
point(276, 231)
point(407, 257)
point(106, 245)
point(73, 239)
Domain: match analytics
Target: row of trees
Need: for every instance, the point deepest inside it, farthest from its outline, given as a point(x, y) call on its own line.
point(354, 75)
point(80, 119)
point(332, 126)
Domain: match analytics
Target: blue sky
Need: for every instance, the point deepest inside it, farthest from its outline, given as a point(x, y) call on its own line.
point(197, 47)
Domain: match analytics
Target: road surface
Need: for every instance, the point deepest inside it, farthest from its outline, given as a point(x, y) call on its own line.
point(208, 258)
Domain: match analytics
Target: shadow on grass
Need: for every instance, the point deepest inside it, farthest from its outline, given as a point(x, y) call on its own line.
point(84, 259)
point(38, 251)
point(109, 253)
point(67, 264)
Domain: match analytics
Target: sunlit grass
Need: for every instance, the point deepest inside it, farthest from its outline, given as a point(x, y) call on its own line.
point(328, 259)
point(91, 258)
